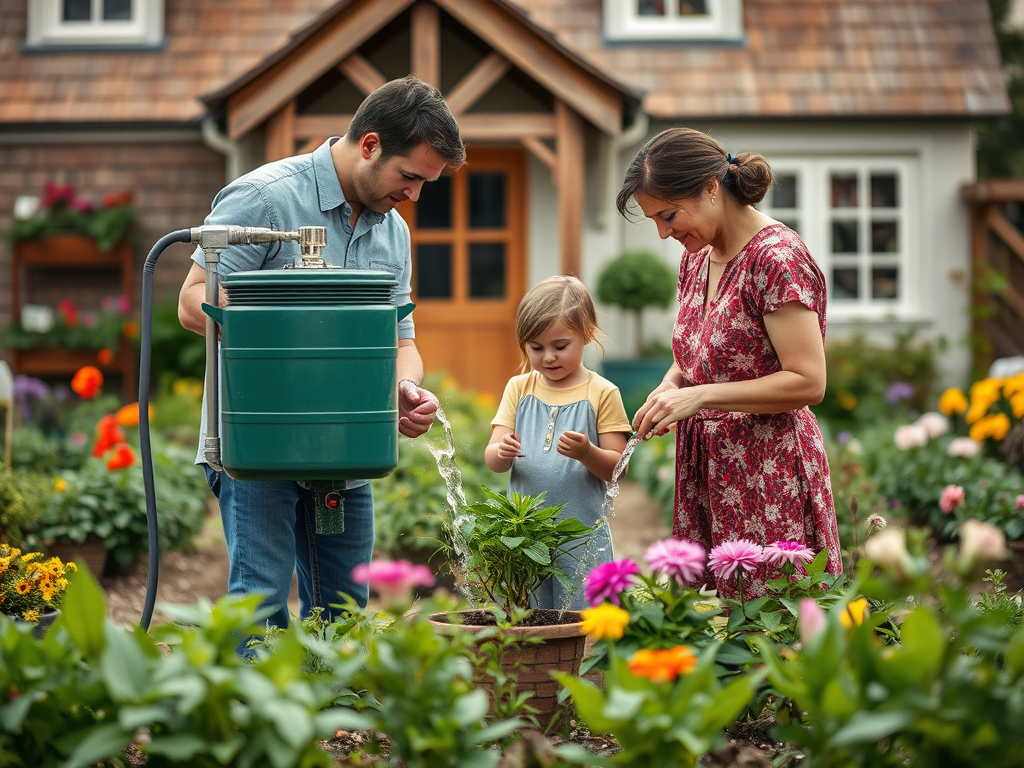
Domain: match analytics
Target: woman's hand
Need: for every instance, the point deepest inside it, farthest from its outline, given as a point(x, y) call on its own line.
point(664, 407)
point(575, 445)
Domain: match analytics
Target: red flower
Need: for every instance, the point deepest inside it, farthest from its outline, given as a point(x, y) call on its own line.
point(108, 435)
point(70, 312)
point(58, 193)
point(87, 382)
point(122, 458)
point(131, 329)
point(105, 356)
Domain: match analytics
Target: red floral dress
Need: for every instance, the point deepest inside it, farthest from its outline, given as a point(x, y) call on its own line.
point(762, 477)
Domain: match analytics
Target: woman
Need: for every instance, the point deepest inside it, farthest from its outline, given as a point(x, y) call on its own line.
point(749, 354)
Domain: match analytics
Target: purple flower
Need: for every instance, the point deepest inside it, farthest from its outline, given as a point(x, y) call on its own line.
point(680, 560)
point(608, 580)
point(899, 390)
point(729, 556)
point(792, 552)
point(843, 437)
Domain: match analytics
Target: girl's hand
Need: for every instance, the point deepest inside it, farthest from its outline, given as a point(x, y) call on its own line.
point(509, 447)
point(575, 445)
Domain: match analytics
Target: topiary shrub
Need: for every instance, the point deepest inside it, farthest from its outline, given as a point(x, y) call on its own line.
point(635, 281)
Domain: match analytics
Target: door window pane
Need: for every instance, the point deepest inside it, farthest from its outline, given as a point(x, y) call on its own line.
point(784, 192)
point(844, 283)
point(884, 192)
point(650, 7)
point(117, 10)
point(77, 10)
point(884, 237)
point(487, 200)
point(885, 283)
point(434, 208)
point(844, 237)
point(844, 190)
point(434, 271)
point(487, 270)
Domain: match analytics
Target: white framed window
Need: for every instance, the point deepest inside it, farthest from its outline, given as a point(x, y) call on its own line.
point(673, 20)
point(53, 23)
point(858, 220)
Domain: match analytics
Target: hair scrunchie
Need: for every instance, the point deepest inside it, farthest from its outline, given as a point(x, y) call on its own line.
point(731, 160)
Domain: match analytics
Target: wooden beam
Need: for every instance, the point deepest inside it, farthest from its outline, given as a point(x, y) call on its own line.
point(543, 153)
point(312, 144)
point(1006, 232)
point(993, 191)
point(477, 82)
point(426, 43)
point(362, 74)
point(571, 186)
point(320, 126)
point(596, 101)
point(280, 136)
point(255, 102)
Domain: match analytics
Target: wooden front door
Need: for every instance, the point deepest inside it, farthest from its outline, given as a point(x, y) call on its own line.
point(469, 268)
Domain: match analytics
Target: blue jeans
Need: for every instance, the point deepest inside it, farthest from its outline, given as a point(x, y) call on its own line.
point(270, 532)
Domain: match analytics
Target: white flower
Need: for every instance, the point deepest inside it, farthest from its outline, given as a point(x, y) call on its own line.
point(910, 436)
point(877, 522)
point(981, 542)
point(935, 424)
point(888, 550)
point(964, 447)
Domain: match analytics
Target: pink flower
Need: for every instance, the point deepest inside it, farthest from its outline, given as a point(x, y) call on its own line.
point(393, 581)
point(123, 304)
point(608, 580)
point(910, 436)
point(963, 447)
point(730, 555)
point(792, 552)
point(952, 497)
point(810, 619)
point(681, 560)
point(1020, 501)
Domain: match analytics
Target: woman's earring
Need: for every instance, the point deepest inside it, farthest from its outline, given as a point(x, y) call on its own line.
point(712, 199)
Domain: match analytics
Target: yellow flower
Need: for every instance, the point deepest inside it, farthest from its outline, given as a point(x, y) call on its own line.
point(71, 566)
point(663, 665)
point(855, 613)
point(1017, 404)
point(846, 400)
point(23, 587)
point(30, 615)
point(29, 556)
point(952, 402)
point(984, 394)
point(60, 485)
point(1013, 385)
point(995, 427)
point(606, 621)
point(197, 390)
point(181, 386)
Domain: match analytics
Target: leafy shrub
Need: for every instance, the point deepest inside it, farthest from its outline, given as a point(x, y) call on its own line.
point(23, 496)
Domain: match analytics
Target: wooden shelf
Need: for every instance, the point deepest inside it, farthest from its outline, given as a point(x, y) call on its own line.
point(71, 252)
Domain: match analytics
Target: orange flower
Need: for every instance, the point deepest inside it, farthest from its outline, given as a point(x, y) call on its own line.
point(131, 329)
point(87, 382)
point(663, 665)
point(128, 415)
point(108, 434)
point(105, 356)
point(122, 458)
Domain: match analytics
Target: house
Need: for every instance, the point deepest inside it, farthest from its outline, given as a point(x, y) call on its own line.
point(863, 107)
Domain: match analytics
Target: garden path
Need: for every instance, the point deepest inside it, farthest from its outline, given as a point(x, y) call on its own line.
point(185, 577)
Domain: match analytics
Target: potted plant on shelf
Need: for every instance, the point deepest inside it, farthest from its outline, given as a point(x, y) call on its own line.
point(62, 214)
point(635, 281)
point(511, 545)
point(32, 586)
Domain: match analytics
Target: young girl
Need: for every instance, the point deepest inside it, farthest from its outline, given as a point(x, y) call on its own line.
point(560, 428)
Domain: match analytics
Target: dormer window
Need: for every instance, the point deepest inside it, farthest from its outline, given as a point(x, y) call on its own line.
point(106, 23)
point(673, 20)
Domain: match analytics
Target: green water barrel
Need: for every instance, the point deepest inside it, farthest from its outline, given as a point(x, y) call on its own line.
point(308, 379)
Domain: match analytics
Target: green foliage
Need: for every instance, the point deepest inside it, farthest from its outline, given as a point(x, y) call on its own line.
point(90, 688)
point(23, 495)
point(62, 212)
point(861, 375)
point(951, 693)
point(92, 330)
point(112, 504)
point(177, 353)
point(514, 543)
point(634, 281)
point(1000, 152)
point(662, 723)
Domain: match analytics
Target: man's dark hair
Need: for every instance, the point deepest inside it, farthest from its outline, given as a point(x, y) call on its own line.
point(406, 113)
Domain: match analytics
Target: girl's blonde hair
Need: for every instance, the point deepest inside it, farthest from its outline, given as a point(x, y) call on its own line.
point(562, 298)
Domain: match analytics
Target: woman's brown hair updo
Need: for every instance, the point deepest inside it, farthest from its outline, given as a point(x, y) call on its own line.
point(677, 163)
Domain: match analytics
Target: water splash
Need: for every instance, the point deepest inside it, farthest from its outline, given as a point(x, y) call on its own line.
point(455, 497)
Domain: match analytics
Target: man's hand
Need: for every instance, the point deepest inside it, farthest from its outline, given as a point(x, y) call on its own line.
point(416, 409)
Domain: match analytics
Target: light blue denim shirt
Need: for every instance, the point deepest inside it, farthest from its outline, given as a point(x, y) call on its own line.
point(304, 191)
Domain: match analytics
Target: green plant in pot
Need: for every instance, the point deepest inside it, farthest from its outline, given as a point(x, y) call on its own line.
point(511, 545)
point(635, 281)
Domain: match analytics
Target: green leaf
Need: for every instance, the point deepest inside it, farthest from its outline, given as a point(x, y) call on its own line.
point(124, 668)
point(84, 615)
point(182, 746)
point(870, 727)
point(293, 722)
point(103, 742)
point(623, 705)
point(470, 707)
point(512, 541)
point(538, 553)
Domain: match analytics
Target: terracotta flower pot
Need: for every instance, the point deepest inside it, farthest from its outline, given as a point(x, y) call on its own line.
point(531, 664)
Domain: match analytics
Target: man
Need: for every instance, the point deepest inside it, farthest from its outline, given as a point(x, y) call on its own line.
point(402, 136)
